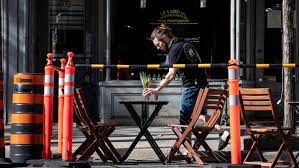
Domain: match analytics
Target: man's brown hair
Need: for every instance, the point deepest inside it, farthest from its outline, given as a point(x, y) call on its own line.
point(162, 31)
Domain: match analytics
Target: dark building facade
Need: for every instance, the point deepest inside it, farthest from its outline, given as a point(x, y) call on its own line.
point(117, 31)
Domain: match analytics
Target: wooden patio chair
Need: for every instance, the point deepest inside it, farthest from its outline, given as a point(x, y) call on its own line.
point(96, 133)
point(259, 100)
point(209, 99)
point(82, 152)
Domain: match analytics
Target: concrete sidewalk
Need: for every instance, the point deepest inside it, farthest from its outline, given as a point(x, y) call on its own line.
point(142, 155)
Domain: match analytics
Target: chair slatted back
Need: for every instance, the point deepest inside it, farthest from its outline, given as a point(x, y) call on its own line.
point(209, 99)
point(77, 115)
point(197, 107)
point(215, 101)
point(77, 118)
point(81, 109)
point(257, 100)
point(96, 134)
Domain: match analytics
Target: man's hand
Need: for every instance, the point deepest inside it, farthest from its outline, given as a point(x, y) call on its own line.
point(168, 78)
point(149, 91)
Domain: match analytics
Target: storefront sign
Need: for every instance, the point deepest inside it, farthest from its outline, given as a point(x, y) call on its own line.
point(173, 16)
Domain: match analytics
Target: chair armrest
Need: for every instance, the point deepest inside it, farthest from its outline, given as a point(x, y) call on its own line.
point(108, 124)
point(104, 125)
point(175, 125)
point(83, 128)
point(202, 128)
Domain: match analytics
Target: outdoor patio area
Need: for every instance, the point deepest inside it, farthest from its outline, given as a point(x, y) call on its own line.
point(143, 155)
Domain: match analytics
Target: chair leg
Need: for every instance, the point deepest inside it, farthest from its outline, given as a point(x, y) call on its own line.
point(181, 140)
point(177, 144)
point(183, 137)
point(89, 139)
point(200, 141)
point(113, 150)
point(110, 145)
point(289, 149)
point(274, 161)
point(88, 151)
point(90, 145)
point(101, 155)
point(174, 148)
point(82, 147)
point(210, 151)
point(255, 146)
point(284, 145)
point(171, 153)
point(193, 153)
point(291, 156)
point(106, 150)
point(260, 153)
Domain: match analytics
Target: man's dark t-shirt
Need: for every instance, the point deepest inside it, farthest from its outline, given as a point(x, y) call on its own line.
point(176, 55)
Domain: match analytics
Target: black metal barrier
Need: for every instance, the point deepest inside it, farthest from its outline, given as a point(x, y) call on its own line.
point(187, 66)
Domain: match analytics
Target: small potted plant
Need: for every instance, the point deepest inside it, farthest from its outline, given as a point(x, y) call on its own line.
point(146, 81)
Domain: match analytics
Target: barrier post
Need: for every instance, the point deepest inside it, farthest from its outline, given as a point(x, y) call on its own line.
point(48, 106)
point(68, 108)
point(234, 107)
point(2, 137)
point(60, 103)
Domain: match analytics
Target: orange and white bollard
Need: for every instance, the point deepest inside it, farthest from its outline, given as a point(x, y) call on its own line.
point(2, 137)
point(60, 103)
point(68, 108)
point(48, 106)
point(234, 107)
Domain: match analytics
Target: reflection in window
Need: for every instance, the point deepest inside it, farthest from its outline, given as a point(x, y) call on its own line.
point(66, 26)
point(133, 24)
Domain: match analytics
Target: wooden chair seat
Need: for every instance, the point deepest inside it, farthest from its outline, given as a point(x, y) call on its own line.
point(267, 129)
point(176, 125)
point(98, 124)
point(96, 133)
point(203, 128)
point(196, 128)
point(213, 99)
point(259, 100)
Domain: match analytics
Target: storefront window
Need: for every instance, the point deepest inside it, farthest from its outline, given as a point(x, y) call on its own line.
point(273, 39)
point(202, 25)
point(66, 26)
point(1, 39)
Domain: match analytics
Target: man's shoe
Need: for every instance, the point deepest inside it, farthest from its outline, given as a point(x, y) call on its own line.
point(182, 151)
point(223, 140)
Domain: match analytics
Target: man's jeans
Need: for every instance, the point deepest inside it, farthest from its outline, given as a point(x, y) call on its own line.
point(187, 102)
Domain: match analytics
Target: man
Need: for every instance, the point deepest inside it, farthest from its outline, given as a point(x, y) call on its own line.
point(182, 52)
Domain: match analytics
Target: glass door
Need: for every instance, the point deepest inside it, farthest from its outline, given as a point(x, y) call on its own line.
point(66, 19)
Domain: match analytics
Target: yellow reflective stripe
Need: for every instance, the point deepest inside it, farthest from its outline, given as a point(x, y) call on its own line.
point(289, 65)
point(97, 65)
point(122, 66)
point(178, 65)
point(153, 66)
point(262, 65)
point(28, 98)
point(204, 65)
point(26, 139)
point(26, 118)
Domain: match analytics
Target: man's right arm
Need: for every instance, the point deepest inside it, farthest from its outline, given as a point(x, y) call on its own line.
point(168, 78)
